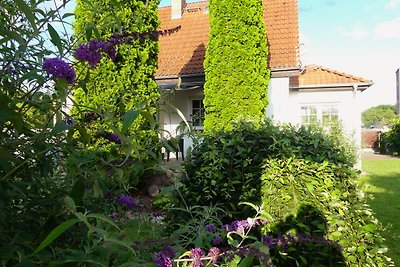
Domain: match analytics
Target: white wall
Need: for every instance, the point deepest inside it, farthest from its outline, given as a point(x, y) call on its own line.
point(170, 118)
point(280, 105)
point(349, 110)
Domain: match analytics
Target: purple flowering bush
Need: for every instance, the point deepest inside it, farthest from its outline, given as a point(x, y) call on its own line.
point(54, 209)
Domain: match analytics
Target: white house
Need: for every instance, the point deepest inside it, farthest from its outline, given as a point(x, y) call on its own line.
point(296, 95)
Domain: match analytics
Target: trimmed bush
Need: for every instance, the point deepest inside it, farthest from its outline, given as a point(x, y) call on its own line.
point(225, 168)
point(306, 182)
point(320, 200)
point(235, 66)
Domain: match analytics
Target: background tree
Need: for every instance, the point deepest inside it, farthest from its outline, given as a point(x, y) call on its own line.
point(236, 66)
point(124, 83)
point(379, 115)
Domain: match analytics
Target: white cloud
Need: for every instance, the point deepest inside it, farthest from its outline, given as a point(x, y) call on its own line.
point(388, 29)
point(358, 32)
point(391, 4)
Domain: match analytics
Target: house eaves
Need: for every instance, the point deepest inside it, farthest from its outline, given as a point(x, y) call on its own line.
point(332, 87)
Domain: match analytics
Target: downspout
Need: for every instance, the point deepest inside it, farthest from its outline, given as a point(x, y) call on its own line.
point(355, 89)
point(357, 130)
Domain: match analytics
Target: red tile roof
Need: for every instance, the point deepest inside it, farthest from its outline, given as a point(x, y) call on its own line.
point(183, 52)
point(314, 75)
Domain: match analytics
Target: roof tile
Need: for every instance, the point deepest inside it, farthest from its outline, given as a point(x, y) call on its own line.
point(317, 75)
point(183, 51)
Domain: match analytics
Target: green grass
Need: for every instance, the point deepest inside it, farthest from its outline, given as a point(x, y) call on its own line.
point(382, 184)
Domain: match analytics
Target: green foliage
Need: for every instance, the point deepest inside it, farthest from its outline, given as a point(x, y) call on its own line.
point(379, 115)
point(226, 167)
point(321, 200)
point(235, 66)
point(44, 159)
point(117, 89)
point(390, 141)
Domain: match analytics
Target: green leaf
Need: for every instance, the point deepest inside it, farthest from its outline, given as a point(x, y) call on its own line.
point(77, 191)
point(54, 234)
point(69, 203)
point(129, 117)
point(370, 227)
point(26, 263)
point(88, 32)
point(28, 13)
point(98, 192)
point(246, 261)
point(234, 262)
point(66, 15)
point(55, 38)
point(60, 127)
point(150, 119)
point(103, 218)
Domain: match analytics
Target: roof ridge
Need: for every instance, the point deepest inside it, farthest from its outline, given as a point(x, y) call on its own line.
point(340, 73)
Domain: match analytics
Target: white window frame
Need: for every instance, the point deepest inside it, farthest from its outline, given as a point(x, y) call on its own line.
point(318, 115)
point(201, 126)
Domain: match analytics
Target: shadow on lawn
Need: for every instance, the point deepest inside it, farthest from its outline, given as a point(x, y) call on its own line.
point(384, 198)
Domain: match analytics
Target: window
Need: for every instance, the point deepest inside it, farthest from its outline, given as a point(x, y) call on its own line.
point(197, 113)
point(326, 114)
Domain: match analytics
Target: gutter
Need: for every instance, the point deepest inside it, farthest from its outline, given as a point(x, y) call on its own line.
point(334, 87)
point(275, 72)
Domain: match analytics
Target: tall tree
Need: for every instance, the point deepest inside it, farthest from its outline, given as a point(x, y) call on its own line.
point(121, 64)
point(236, 66)
point(379, 115)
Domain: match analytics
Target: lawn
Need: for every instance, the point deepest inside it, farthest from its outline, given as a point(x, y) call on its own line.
point(382, 184)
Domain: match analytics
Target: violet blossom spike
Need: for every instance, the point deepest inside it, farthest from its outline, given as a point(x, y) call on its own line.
point(58, 68)
point(113, 137)
point(217, 240)
point(214, 254)
point(127, 201)
point(196, 254)
point(164, 258)
point(210, 228)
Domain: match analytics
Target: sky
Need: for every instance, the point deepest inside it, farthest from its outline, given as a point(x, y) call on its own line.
point(358, 37)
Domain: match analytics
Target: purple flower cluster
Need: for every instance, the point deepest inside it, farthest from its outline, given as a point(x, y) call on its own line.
point(210, 228)
point(90, 116)
point(113, 137)
point(91, 52)
point(283, 241)
point(214, 254)
point(127, 201)
point(196, 254)
point(114, 216)
point(165, 257)
point(58, 68)
point(242, 225)
point(217, 240)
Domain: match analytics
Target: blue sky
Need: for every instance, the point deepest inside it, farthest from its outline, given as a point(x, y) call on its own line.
point(360, 37)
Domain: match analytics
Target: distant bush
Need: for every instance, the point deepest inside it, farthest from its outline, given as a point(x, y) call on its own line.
point(390, 141)
point(225, 168)
point(320, 200)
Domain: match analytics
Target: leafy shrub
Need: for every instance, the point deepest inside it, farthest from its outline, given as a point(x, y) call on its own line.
point(45, 159)
point(390, 141)
point(320, 200)
point(225, 168)
point(118, 75)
